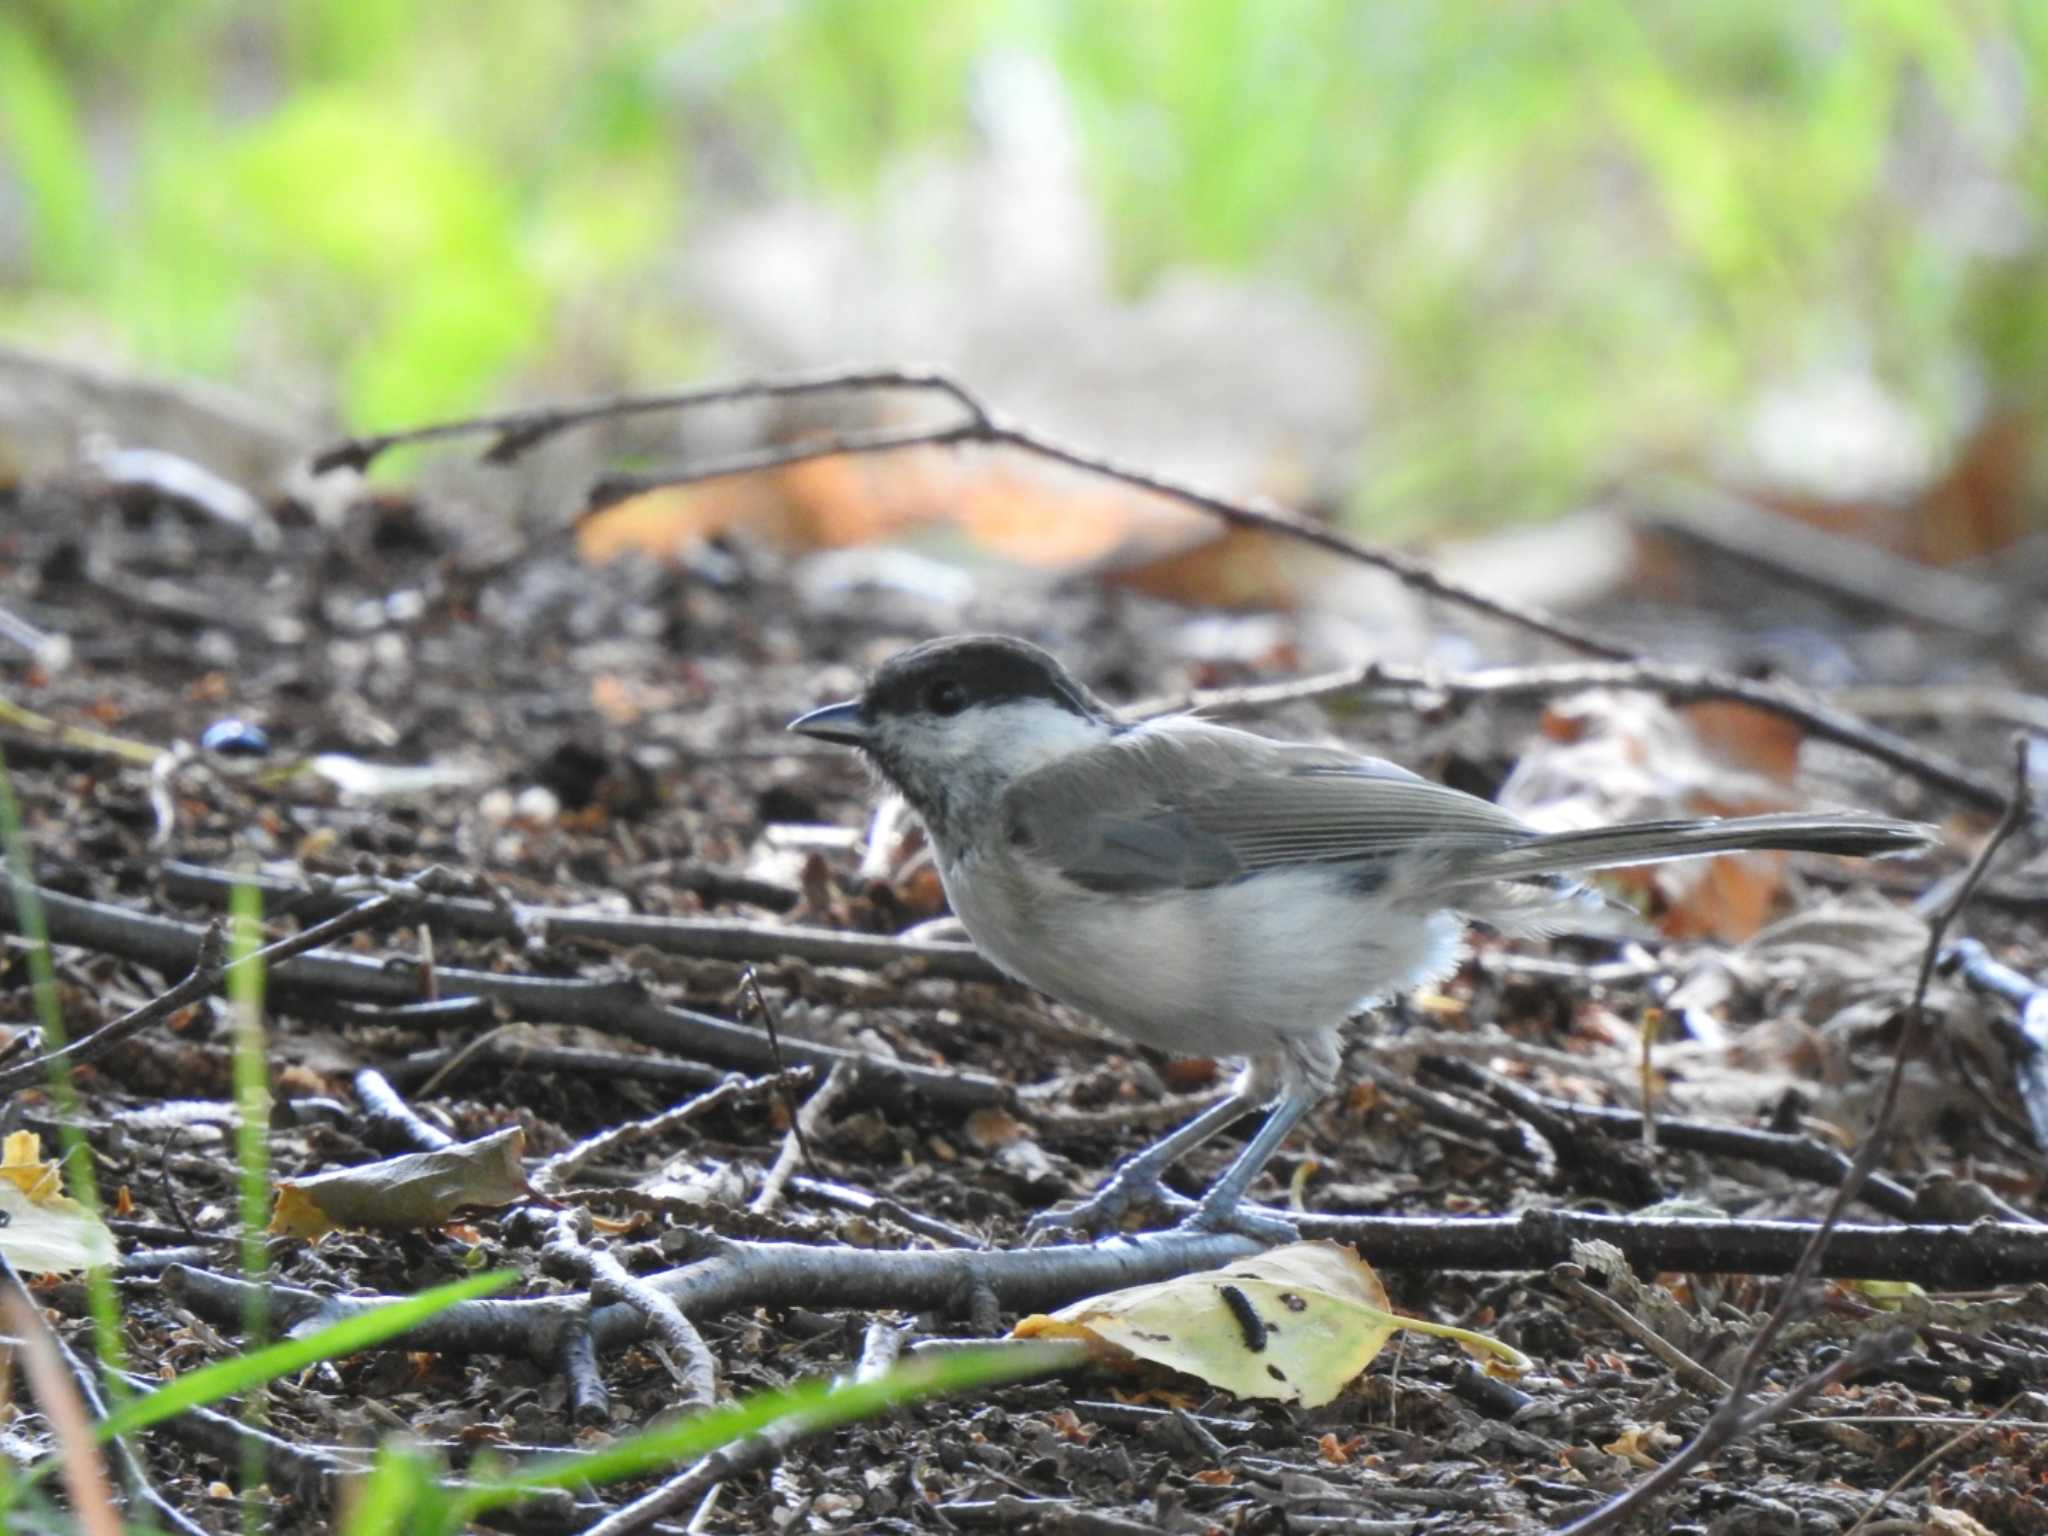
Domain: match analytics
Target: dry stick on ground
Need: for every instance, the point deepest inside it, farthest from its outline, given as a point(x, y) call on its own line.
point(1801, 1156)
point(1736, 1417)
point(620, 1006)
point(700, 938)
point(552, 1176)
point(1571, 1279)
point(734, 1274)
point(750, 983)
point(978, 425)
point(208, 975)
point(1678, 684)
point(57, 1395)
point(1847, 569)
point(796, 1146)
point(569, 1252)
point(519, 1054)
point(391, 1122)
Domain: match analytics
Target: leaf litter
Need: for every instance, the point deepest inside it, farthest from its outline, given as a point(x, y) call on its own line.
point(625, 723)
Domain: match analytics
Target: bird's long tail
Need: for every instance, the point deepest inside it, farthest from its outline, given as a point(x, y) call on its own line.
point(1656, 842)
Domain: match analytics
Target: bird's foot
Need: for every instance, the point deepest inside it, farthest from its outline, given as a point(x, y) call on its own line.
point(1251, 1221)
point(1104, 1211)
point(1131, 1185)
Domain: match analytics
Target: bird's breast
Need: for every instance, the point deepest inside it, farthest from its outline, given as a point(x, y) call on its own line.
point(1225, 971)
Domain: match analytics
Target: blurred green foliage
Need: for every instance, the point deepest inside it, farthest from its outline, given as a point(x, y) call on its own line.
point(1576, 233)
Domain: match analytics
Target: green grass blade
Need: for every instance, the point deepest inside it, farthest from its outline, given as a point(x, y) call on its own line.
point(821, 1405)
point(252, 1156)
point(402, 1493)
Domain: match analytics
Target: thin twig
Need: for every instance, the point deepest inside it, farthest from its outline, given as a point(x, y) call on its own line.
point(85, 1473)
point(750, 982)
point(796, 1146)
point(570, 1249)
point(978, 425)
point(553, 1176)
point(66, 1389)
point(1571, 1279)
point(1946, 1448)
point(700, 938)
point(1736, 1417)
point(517, 431)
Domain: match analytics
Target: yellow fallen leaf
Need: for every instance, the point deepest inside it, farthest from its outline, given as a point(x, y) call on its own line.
point(43, 1231)
point(1295, 1323)
point(1887, 1295)
point(22, 1165)
point(420, 1189)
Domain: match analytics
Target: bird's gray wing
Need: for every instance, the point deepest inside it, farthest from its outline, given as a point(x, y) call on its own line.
point(1184, 804)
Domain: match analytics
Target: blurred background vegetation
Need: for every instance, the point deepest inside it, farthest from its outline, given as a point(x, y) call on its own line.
point(1570, 240)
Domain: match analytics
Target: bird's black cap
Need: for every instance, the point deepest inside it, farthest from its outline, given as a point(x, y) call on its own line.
point(960, 672)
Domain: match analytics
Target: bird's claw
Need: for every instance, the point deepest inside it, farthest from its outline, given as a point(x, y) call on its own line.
point(1245, 1220)
point(1104, 1210)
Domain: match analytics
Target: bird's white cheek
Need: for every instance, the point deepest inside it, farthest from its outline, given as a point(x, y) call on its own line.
point(999, 741)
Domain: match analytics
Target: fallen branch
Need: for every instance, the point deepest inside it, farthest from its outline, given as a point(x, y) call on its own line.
point(620, 1006)
point(570, 1251)
point(1801, 1156)
point(389, 1122)
point(208, 975)
point(734, 1275)
point(700, 938)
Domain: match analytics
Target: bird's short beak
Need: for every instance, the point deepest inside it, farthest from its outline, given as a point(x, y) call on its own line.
point(842, 723)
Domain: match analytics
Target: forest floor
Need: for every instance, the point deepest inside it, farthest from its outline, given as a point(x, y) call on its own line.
point(608, 743)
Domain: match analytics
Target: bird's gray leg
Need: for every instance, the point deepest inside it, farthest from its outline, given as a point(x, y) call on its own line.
point(1218, 1210)
point(1137, 1177)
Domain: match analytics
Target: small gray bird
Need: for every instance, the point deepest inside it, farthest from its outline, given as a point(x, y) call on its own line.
point(1212, 892)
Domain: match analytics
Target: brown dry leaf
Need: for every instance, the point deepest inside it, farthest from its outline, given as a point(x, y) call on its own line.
point(1034, 520)
point(1231, 567)
point(992, 1127)
point(822, 504)
point(1744, 736)
point(1644, 1444)
point(1295, 1323)
point(616, 698)
point(1607, 756)
point(420, 1189)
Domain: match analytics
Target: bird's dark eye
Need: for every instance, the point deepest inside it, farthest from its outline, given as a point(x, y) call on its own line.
point(945, 697)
